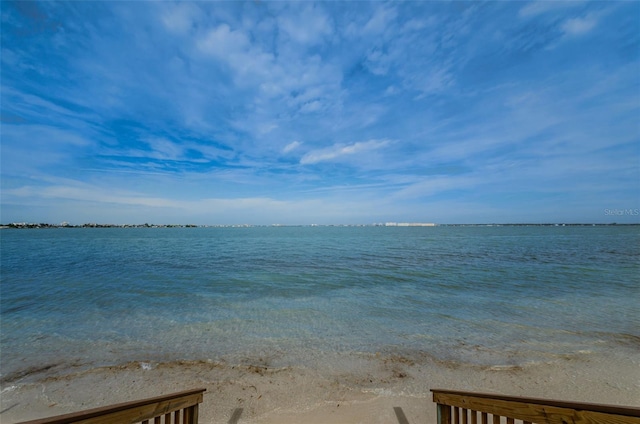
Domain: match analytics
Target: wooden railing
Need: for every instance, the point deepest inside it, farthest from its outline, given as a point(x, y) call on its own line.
point(176, 408)
point(474, 408)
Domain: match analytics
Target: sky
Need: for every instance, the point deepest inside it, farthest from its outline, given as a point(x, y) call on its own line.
point(352, 112)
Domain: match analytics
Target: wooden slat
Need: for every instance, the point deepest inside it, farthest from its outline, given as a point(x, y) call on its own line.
point(496, 419)
point(167, 418)
point(510, 420)
point(196, 409)
point(456, 415)
point(484, 418)
point(135, 415)
point(444, 414)
point(474, 417)
point(608, 409)
point(192, 412)
point(465, 413)
point(129, 412)
point(157, 420)
point(187, 416)
point(538, 412)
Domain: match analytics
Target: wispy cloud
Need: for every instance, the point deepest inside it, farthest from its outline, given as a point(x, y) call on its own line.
point(380, 21)
point(339, 151)
point(538, 7)
point(317, 25)
point(579, 26)
point(324, 112)
point(291, 146)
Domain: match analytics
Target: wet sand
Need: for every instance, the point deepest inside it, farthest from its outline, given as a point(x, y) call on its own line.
point(360, 389)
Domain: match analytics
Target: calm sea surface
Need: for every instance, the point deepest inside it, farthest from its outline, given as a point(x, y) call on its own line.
point(484, 295)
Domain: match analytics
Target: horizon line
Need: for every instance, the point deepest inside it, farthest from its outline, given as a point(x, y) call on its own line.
point(20, 225)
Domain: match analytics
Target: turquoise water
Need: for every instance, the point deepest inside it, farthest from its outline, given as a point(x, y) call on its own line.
point(483, 295)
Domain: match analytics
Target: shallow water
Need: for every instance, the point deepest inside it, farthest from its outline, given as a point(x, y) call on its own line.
point(302, 295)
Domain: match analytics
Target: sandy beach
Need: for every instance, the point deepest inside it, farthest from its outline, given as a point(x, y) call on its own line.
point(363, 389)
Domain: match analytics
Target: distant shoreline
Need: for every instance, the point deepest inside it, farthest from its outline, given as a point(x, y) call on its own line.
point(26, 225)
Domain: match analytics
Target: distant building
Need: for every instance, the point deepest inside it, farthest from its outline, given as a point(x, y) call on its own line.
point(409, 224)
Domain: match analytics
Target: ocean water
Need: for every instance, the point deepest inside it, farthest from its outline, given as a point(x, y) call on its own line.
point(490, 296)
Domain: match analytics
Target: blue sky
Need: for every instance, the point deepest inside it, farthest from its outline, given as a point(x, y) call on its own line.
point(342, 112)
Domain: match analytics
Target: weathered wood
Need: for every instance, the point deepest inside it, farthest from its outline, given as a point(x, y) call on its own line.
point(538, 410)
point(188, 416)
point(194, 414)
point(130, 412)
point(444, 414)
point(496, 419)
point(484, 418)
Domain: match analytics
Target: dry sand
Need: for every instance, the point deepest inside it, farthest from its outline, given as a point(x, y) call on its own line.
point(365, 389)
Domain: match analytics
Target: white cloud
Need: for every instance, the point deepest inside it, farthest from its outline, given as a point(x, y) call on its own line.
point(28, 149)
point(431, 186)
point(579, 26)
point(266, 128)
point(381, 19)
point(37, 107)
point(379, 62)
point(539, 7)
point(338, 151)
point(391, 90)
point(308, 27)
point(107, 205)
point(277, 81)
point(87, 193)
point(312, 106)
point(179, 18)
point(165, 149)
point(429, 81)
point(291, 146)
point(251, 78)
point(417, 24)
point(234, 48)
point(222, 41)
